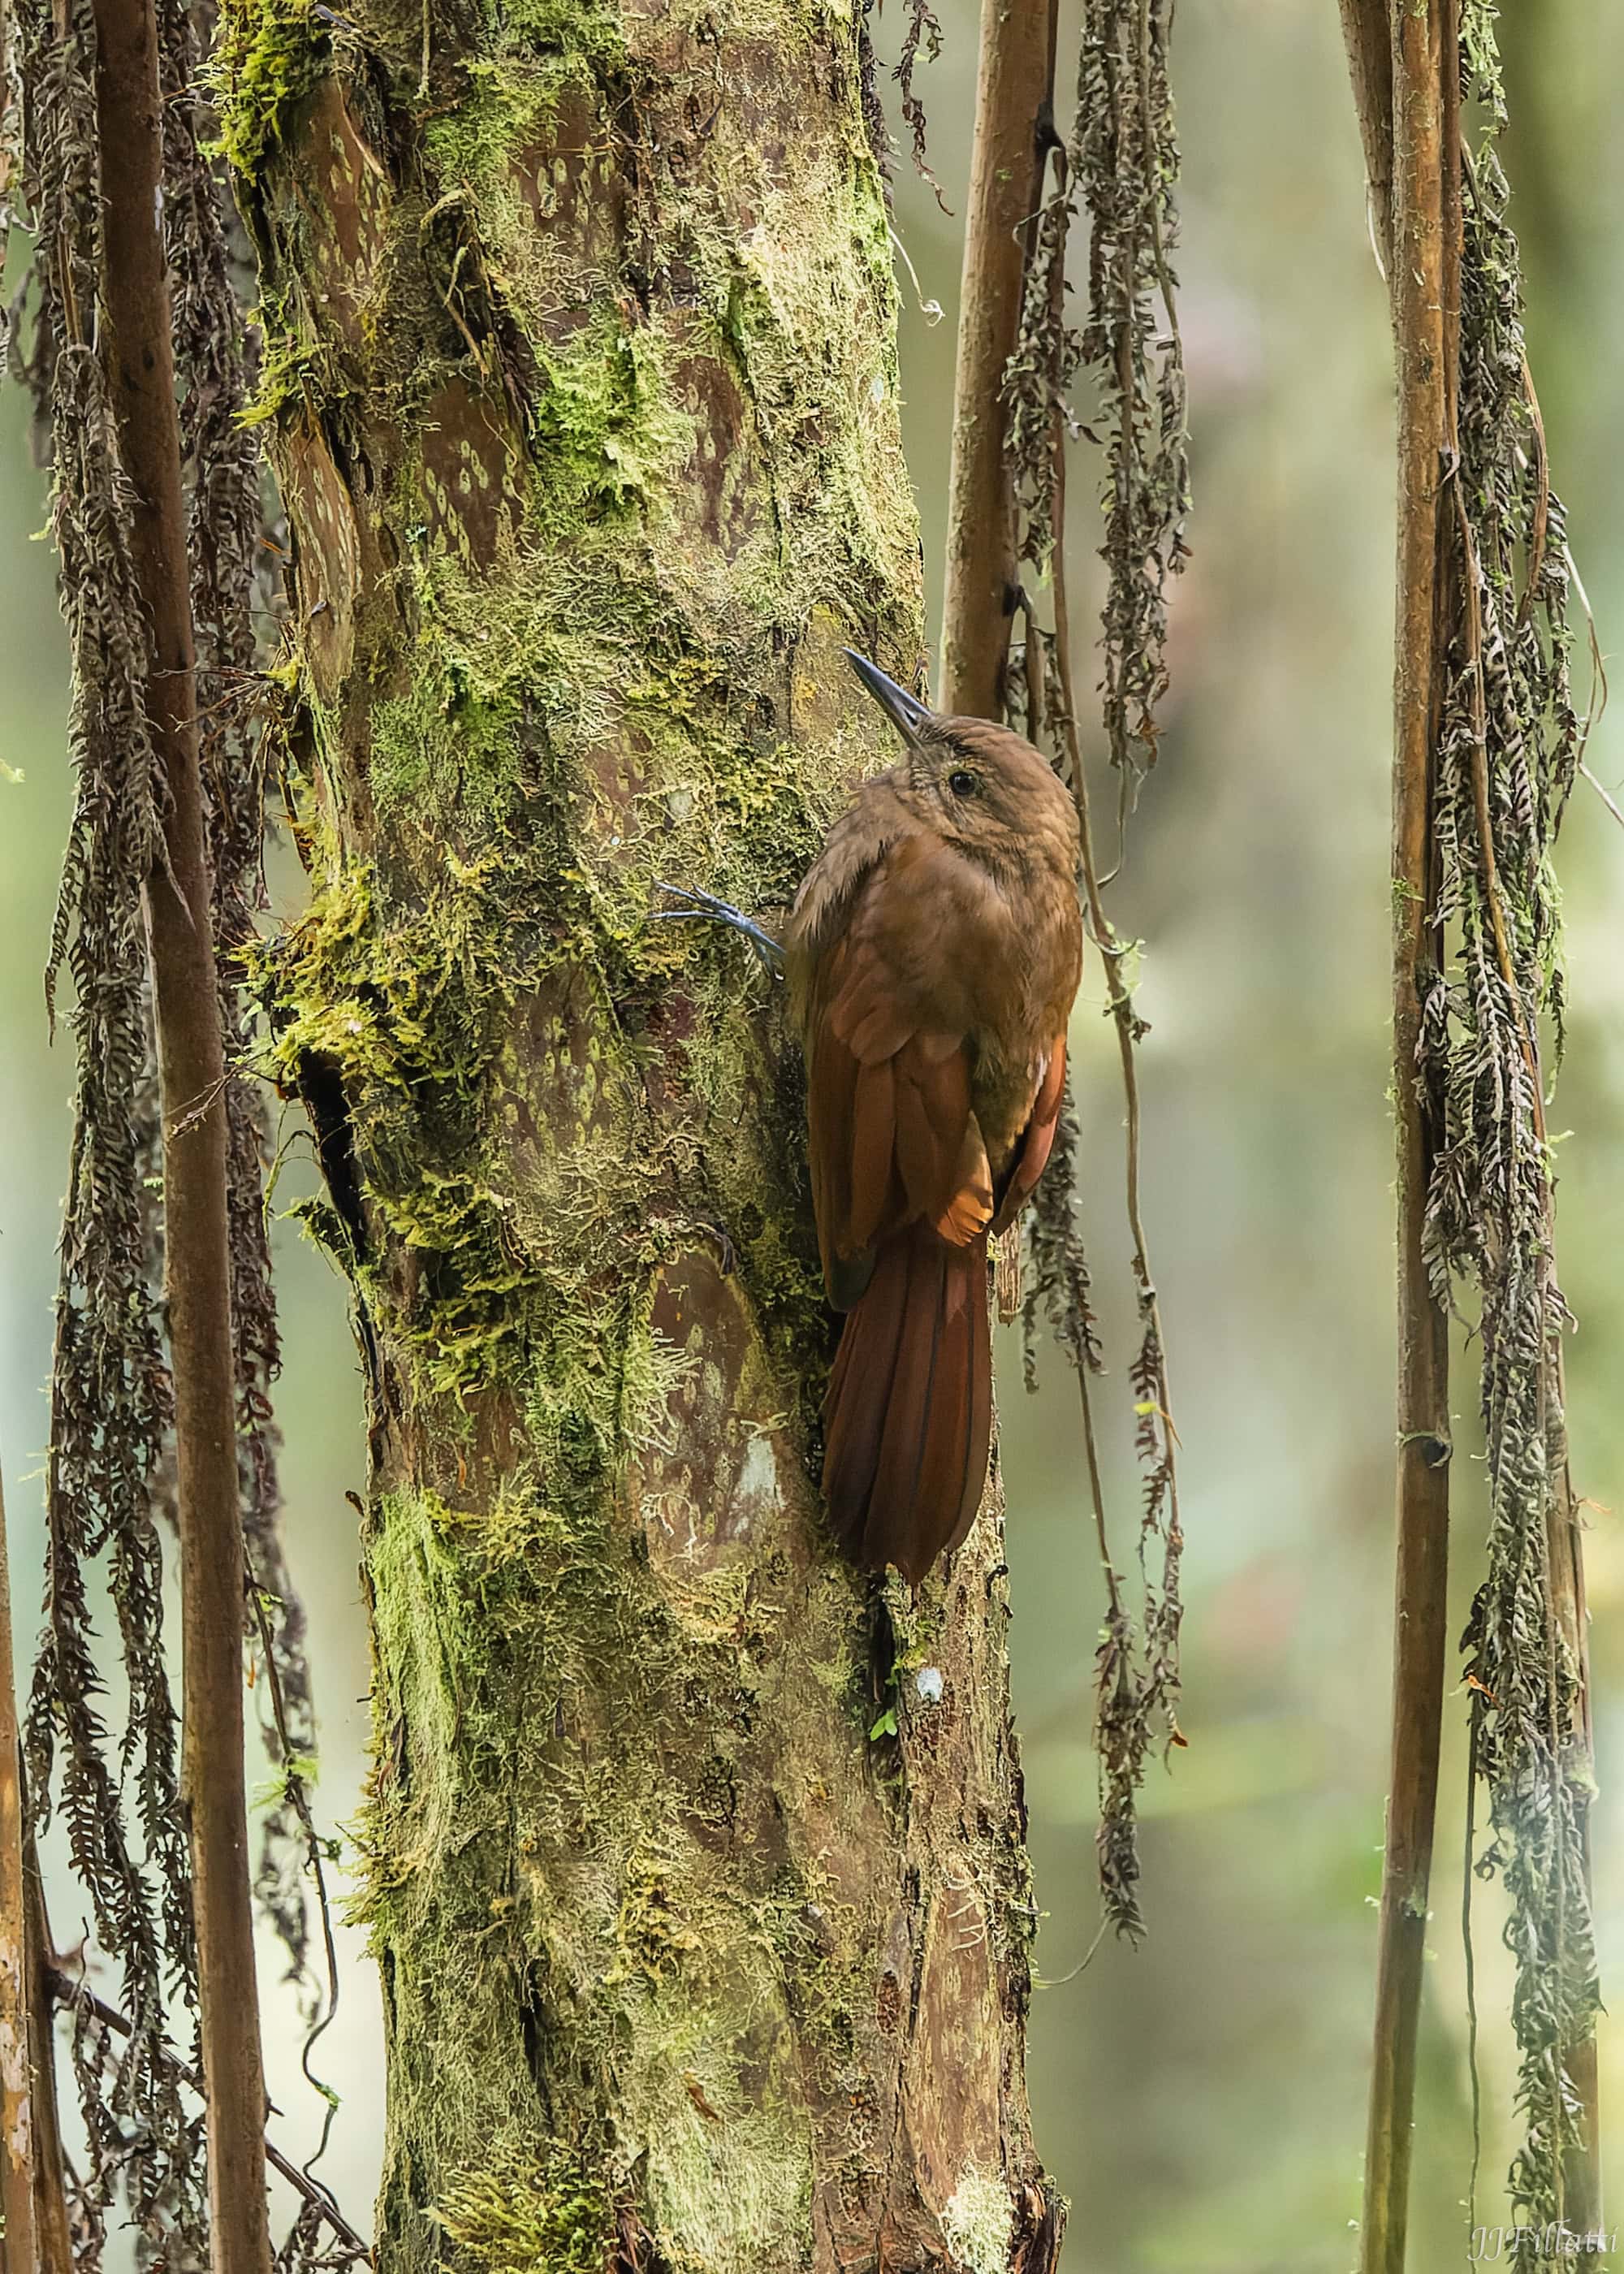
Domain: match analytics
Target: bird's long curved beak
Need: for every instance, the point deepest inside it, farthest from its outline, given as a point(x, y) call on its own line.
point(907, 714)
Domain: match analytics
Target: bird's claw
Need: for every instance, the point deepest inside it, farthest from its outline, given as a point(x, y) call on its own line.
point(707, 908)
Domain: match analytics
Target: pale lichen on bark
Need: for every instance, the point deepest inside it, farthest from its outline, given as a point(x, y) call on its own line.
point(582, 391)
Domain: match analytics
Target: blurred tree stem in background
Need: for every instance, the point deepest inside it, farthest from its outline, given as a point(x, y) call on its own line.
point(1418, 269)
point(32, 2200)
point(1406, 70)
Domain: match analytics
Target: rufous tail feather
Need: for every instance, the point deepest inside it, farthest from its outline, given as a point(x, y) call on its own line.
point(908, 1414)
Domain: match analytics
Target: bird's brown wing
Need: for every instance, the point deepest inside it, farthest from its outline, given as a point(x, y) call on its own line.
point(1037, 1139)
point(893, 1136)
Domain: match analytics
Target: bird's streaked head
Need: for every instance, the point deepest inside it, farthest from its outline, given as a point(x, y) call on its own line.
point(980, 783)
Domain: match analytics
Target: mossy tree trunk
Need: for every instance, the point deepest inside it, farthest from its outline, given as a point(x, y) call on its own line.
point(582, 387)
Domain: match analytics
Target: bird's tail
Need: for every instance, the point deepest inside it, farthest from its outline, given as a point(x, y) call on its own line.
point(908, 1414)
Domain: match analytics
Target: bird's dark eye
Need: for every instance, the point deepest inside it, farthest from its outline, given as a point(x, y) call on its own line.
point(963, 784)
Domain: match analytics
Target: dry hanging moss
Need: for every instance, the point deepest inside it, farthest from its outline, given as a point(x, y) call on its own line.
point(1508, 752)
point(922, 37)
point(109, 1467)
point(1119, 166)
point(109, 1387)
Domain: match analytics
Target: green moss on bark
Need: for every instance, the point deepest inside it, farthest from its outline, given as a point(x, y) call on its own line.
point(522, 2216)
point(271, 53)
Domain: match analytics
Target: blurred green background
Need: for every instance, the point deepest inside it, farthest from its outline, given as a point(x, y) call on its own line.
point(1201, 2099)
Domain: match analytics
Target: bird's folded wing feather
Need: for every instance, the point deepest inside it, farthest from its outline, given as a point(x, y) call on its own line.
point(1037, 1139)
point(893, 1137)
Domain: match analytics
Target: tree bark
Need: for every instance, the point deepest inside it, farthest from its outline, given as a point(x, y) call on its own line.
point(694, 1863)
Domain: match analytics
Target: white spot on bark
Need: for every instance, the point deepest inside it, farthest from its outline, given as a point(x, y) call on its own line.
point(980, 2223)
point(14, 2078)
point(757, 1492)
point(928, 1684)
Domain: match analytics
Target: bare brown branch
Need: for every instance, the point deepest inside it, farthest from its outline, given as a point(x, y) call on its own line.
point(1014, 108)
point(136, 298)
point(32, 2200)
point(1416, 112)
point(53, 2241)
point(19, 2251)
point(1369, 63)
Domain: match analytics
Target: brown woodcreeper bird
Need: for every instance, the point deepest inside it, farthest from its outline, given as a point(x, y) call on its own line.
point(934, 952)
